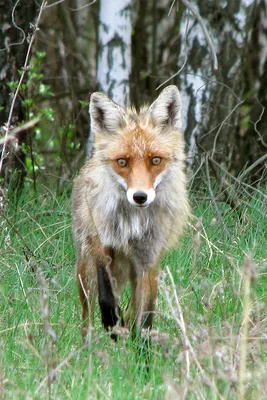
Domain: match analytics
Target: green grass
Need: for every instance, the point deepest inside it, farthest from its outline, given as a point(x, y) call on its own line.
point(35, 235)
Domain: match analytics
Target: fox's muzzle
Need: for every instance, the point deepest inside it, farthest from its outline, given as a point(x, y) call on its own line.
point(141, 198)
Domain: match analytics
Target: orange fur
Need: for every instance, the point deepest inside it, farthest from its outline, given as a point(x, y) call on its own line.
point(126, 215)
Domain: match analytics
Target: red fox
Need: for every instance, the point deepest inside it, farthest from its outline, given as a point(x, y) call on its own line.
point(129, 205)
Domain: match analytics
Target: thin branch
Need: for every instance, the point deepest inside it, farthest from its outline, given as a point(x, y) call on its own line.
point(25, 68)
point(238, 181)
point(13, 132)
point(54, 4)
point(80, 8)
point(171, 7)
point(189, 6)
point(256, 123)
point(221, 126)
point(180, 317)
point(229, 195)
point(205, 31)
point(185, 50)
point(214, 200)
point(17, 27)
point(252, 166)
point(174, 75)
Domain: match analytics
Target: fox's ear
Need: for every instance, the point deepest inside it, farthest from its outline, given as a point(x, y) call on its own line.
point(105, 114)
point(167, 108)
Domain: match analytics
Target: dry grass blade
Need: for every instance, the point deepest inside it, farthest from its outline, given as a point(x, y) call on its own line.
point(248, 276)
point(179, 319)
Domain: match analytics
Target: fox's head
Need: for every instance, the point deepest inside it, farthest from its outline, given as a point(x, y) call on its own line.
point(138, 148)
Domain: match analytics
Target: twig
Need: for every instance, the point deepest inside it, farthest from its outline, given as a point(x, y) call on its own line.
point(54, 4)
point(19, 129)
point(174, 75)
point(80, 8)
point(221, 126)
point(50, 335)
point(252, 166)
point(185, 51)
point(17, 27)
point(25, 68)
point(205, 31)
point(256, 123)
point(22, 287)
point(214, 200)
point(206, 34)
point(238, 181)
point(181, 323)
point(229, 197)
point(178, 316)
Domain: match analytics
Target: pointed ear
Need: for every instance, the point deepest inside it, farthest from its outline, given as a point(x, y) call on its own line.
point(105, 114)
point(167, 108)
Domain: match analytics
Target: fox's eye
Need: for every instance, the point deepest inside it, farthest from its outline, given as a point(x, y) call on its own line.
point(156, 160)
point(122, 162)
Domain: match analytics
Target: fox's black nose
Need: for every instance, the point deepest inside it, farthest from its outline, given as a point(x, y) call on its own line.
point(140, 197)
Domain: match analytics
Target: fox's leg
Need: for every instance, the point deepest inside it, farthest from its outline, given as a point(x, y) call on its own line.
point(107, 296)
point(87, 281)
point(144, 287)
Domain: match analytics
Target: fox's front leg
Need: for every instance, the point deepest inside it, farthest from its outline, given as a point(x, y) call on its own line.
point(106, 297)
point(94, 276)
point(87, 282)
point(145, 287)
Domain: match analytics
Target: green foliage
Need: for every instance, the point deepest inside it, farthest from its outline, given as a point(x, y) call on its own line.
point(84, 104)
point(208, 272)
point(50, 142)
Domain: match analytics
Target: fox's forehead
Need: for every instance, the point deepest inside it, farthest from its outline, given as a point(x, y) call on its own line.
point(138, 142)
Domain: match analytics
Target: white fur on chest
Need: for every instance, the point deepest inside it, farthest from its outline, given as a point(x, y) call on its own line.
point(119, 226)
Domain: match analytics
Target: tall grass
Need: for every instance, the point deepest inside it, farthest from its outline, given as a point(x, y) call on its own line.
point(210, 328)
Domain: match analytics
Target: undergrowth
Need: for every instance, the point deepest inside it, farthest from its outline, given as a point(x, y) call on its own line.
point(200, 347)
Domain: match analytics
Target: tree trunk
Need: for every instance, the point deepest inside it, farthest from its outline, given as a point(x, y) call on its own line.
point(214, 102)
point(253, 135)
point(114, 53)
point(114, 58)
point(169, 36)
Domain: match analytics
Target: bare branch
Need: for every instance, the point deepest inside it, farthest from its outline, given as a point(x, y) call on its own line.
point(80, 8)
point(214, 200)
point(238, 181)
point(252, 166)
point(54, 4)
point(221, 126)
point(185, 60)
point(205, 31)
point(13, 132)
point(174, 75)
point(17, 27)
point(206, 34)
point(256, 123)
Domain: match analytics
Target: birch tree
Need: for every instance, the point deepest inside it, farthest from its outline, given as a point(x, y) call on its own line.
point(220, 109)
point(114, 57)
point(114, 53)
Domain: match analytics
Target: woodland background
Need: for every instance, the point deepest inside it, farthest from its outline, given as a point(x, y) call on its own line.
point(128, 49)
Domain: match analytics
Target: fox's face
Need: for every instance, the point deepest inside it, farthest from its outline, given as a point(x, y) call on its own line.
point(137, 147)
point(139, 177)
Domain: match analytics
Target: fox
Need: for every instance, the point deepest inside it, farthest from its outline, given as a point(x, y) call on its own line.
point(130, 205)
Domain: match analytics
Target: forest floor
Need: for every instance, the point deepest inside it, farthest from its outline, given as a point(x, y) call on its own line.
point(210, 329)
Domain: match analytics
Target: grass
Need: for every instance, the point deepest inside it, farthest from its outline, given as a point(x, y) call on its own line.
point(225, 325)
